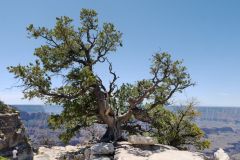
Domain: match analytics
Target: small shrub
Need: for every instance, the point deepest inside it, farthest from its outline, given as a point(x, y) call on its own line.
point(3, 107)
point(179, 129)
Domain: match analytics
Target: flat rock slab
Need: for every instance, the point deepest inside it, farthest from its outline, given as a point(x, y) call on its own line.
point(136, 139)
point(42, 157)
point(55, 152)
point(102, 149)
point(127, 151)
point(176, 155)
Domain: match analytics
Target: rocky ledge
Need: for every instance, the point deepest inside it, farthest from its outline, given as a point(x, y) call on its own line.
point(138, 148)
point(127, 151)
point(122, 151)
point(13, 135)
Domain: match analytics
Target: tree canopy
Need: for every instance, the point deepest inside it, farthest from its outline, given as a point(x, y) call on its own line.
point(69, 57)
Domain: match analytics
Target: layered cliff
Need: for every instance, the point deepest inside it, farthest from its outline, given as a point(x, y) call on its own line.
point(13, 135)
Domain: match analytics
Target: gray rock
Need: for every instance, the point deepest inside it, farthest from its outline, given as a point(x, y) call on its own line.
point(61, 153)
point(80, 157)
point(127, 151)
point(221, 155)
point(42, 157)
point(136, 139)
point(100, 158)
point(87, 153)
point(102, 149)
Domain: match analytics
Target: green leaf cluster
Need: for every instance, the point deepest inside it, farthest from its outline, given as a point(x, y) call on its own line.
point(78, 113)
point(178, 128)
point(67, 58)
point(2, 106)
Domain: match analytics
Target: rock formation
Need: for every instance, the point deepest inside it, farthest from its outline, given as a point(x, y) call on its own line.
point(13, 135)
point(134, 139)
point(128, 151)
point(60, 153)
point(221, 155)
point(121, 151)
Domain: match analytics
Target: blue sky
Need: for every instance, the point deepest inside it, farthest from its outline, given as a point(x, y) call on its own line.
point(205, 34)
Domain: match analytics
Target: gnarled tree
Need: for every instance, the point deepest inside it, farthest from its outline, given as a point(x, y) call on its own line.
point(64, 74)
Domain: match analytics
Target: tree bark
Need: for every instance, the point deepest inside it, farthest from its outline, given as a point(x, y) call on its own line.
point(108, 117)
point(113, 133)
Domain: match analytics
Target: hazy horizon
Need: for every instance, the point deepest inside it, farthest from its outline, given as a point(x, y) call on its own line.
point(60, 105)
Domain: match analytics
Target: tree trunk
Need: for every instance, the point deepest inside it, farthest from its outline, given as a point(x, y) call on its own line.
point(113, 133)
point(107, 115)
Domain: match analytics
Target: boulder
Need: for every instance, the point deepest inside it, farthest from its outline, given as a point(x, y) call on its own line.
point(99, 151)
point(141, 140)
point(102, 149)
point(221, 155)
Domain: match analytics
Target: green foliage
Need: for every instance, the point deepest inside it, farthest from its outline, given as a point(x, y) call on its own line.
point(68, 58)
point(77, 113)
point(2, 106)
point(68, 54)
point(5, 109)
point(169, 77)
point(178, 128)
point(2, 158)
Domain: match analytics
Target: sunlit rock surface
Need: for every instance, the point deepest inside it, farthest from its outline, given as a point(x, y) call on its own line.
point(57, 153)
point(136, 139)
point(127, 151)
point(221, 155)
point(121, 151)
point(13, 136)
